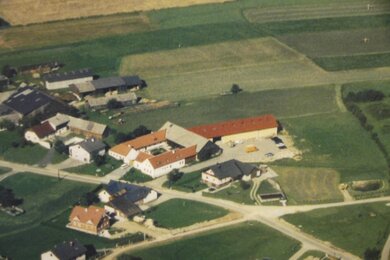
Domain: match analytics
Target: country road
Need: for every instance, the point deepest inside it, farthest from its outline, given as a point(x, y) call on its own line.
point(268, 215)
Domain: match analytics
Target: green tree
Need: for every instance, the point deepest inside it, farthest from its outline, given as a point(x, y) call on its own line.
point(235, 88)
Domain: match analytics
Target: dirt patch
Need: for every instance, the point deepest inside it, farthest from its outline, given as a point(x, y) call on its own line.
point(51, 10)
point(367, 185)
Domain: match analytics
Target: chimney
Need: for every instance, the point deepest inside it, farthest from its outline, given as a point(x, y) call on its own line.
point(71, 243)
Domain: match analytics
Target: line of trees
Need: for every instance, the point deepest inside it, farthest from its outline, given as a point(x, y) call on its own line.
point(141, 130)
point(368, 95)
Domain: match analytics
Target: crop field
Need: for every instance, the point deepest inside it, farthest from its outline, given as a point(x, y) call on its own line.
point(40, 11)
point(256, 241)
point(340, 43)
point(353, 228)
point(177, 213)
point(309, 185)
point(315, 11)
point(329, 141)
point(71, 31)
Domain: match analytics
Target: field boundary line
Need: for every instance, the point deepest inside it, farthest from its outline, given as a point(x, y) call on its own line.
point(339, 99)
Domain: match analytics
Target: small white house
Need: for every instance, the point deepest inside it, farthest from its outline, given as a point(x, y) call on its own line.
point(87, 149)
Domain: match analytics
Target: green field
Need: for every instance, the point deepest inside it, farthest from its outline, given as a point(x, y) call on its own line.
point(43, 198)
point(340, 43)
point(353, 228)
point(178, 213)
point(309, 185)
point(189, 182)
point(250, 240)
point(329, 141)
point(92, 169)
point(234, 192)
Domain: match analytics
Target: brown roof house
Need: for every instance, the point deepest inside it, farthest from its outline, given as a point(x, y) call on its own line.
point(92, 220)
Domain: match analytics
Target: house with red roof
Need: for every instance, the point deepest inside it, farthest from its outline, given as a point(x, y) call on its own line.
point(156, 166)
point(129, 150)
point(92, 220)
point(40, 134)
point(239, 129)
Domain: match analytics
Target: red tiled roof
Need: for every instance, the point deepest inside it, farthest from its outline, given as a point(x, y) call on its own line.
point(140, 142)
point(92, 213)
point(43, 130)
point(235, 126)
point(143, 156)
point(172, 156)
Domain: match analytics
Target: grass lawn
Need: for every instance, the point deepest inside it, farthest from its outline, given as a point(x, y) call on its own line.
point(4, 170)
point(250, 240)
point(296, 102)
point(91, 168)
point(266, 188)
point(6, 139)
point(58, 158)
point(134, 175)
point(309, 185)
point(29, 154)
point(353, 228)
point(189, 182)
point(177, 213)
point(234, 193)
point(324, 146)
point(313, 253)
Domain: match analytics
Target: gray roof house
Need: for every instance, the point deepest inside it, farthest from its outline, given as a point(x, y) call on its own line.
point(67, 250)
point(222, 173)
point(87, 149)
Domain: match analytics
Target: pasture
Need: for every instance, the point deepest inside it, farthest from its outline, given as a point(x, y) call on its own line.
point(178, 213)
point(249, 240)
point(309, 185)
point(48, 10)
point(353, 228)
